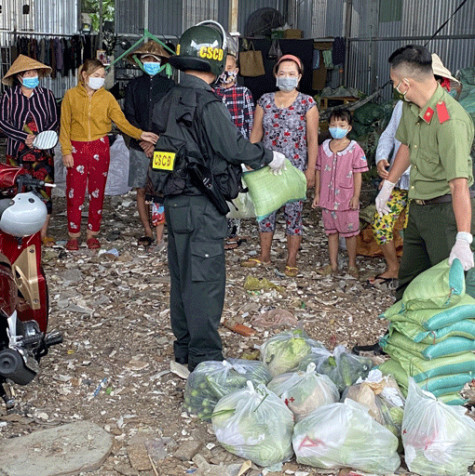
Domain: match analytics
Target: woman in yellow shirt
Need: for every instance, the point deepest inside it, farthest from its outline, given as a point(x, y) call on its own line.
point(87, 112)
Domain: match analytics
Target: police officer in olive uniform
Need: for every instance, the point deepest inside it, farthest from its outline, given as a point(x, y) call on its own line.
point(436, 135)
point(196, 229)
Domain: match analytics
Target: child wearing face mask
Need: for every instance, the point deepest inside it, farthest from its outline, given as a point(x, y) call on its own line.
point(338, 178)
point(240, 104)
point(87, 112)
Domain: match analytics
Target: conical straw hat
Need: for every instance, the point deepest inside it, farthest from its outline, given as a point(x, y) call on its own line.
point(24, 63)
point(151, 48)
point(439, 69)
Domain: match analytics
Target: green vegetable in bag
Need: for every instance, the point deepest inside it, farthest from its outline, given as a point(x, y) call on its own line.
point(269, 192)
point(212, 380)
point(343, 368)
point(437, 438)
point(344, 435)
point(254, 424)
point(283, 352)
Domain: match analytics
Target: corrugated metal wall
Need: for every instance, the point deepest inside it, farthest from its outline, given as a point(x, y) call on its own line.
point(372, 41)
point(50, 17)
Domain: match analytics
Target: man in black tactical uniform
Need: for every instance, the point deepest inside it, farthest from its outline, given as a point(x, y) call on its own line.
point(196, 229)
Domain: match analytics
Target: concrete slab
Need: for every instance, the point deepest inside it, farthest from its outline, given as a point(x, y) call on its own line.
point(63, 450)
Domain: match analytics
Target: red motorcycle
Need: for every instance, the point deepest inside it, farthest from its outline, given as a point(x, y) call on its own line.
point(23, 289)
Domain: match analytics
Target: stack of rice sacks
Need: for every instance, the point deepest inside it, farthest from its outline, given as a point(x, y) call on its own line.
point(431, 336)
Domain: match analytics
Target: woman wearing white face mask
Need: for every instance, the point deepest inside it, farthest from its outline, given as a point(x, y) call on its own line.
point(26, 109)
point(87, 112)
point(287, 121)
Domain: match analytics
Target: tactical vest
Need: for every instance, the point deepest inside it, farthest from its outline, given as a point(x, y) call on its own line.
point(183, 161)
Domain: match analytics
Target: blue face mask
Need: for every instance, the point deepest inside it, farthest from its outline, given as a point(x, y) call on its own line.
point(151, 68)
point(338, 133)
point(287, 83)
point(31, 83)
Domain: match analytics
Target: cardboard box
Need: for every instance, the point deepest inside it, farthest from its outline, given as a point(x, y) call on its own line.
point(292, 34)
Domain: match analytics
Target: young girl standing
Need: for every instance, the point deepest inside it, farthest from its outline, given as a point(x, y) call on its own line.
point(87, 111)
point(340, 163)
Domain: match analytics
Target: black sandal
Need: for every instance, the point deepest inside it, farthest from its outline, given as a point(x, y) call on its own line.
point(145, 241)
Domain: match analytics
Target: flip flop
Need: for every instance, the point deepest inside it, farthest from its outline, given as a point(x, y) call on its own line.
point(232, 244)
point(72, 244)
point(327, 271)
point(353, 272)
point(254, 263)
point(145, 241)
point(93, 243)
point(291, 271)
point(378, 281)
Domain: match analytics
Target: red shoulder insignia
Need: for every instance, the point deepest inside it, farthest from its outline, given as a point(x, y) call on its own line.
point(428, 114)
point(442, 112)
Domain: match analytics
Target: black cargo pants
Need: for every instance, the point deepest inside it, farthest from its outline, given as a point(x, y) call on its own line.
point(428, 240)
point(196, 232)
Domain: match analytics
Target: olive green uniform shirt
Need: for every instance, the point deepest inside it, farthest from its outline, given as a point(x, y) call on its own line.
point(439, 137)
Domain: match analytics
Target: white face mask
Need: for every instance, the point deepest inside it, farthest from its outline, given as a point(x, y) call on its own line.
point(96, 83)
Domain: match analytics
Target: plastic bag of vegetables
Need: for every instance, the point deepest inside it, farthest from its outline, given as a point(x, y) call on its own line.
point(212, 380)
point(344, 435)
point(254, 424)
point(283, 352)
point(303, 392)
point(437, 438)
point(343, 368)
point(383, 398)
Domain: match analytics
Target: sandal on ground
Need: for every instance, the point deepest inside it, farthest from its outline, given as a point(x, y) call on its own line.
point(379, 281)
point(353, 272)
point(232, 244)
point(157, 248)
point(291, 271)
point(254, 263)
point(48, 241)
point(72, 244)
point(93, 243)
point(327, 271)
point(145, 241)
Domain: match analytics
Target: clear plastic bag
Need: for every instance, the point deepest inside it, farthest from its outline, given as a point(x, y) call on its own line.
point(344, 435)
point(241, 207)
point(383, 398)
point(255, 424)
point(303, 392)
point(343, 368)
point(283, 352)
point(212, 380)
point(437, 438)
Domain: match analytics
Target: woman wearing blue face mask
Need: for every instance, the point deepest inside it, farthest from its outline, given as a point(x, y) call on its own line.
point(26, 109)
point(286, 121)
point(141, 96)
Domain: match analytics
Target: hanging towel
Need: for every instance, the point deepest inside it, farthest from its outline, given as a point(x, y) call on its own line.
point(327, 59)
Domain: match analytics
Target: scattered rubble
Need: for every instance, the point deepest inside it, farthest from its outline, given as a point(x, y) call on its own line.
point(114, 370)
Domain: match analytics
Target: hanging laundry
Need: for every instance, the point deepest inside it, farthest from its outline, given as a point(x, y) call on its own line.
point(338, 52)
point(327, 59)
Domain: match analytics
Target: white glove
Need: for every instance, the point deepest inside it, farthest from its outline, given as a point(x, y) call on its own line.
point(278, 163)
point(383, 197)
point(462, 251)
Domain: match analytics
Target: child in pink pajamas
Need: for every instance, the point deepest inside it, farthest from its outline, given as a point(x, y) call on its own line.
point(340, 163)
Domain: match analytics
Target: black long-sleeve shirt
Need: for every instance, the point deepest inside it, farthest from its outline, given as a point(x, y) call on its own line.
point(140, 98)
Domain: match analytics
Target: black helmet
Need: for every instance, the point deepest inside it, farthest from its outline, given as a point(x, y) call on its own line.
point(202, 48)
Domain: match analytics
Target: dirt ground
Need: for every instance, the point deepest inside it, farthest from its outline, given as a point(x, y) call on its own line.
point(113, 367)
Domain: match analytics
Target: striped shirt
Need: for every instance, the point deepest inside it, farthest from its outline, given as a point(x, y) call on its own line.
point(238, 100)
point(15, 108)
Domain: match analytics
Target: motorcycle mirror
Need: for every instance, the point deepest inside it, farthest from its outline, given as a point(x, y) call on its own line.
point(45, 140)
